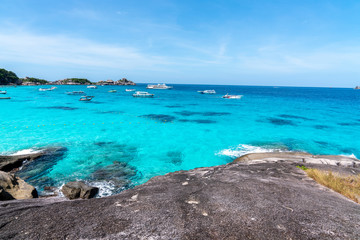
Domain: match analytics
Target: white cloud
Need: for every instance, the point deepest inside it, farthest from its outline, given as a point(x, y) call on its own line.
point(61, 50)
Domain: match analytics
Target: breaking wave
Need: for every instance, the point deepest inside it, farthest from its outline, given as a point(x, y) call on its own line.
point(243, 149)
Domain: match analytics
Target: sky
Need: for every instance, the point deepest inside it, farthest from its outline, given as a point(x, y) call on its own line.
point(235, 42)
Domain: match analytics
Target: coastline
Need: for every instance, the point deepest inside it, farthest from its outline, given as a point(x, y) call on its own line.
point(261, 198)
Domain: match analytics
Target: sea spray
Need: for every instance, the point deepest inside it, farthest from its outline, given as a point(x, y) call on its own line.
point(243, 149)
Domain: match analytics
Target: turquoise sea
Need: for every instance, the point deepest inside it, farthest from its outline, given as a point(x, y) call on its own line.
point(117, 141)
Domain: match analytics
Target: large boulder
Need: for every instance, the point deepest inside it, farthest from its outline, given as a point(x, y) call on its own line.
point(12, 187)
point(78, 189)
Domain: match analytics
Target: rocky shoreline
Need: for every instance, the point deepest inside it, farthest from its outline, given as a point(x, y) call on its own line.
point(258, 196)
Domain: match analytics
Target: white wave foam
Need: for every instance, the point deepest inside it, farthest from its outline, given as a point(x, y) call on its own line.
point(349, 155)
point(243, 149)
point(26, 151)
point(105, 188)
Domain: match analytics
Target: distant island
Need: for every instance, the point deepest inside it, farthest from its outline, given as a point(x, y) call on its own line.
point(10, 78)
point(357, 87)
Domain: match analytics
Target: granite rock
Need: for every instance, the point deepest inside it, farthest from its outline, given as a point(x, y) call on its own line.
point(263, 200)
point(12, 187)
point(78, 189)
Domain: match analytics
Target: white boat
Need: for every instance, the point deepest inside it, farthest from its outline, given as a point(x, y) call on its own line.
point(143, 94)
point(46, 89)
point(232, 96)
point(86, 98)
point(159, 86)
point(130, 90)
point(207, 92)
point(3, 92)
point(112, 91)
point(75, 93)
point(92, 87)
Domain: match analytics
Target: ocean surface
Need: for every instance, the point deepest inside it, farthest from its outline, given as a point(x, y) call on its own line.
point(117, 141)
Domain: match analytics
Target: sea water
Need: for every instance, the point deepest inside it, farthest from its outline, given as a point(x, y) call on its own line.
point(178, 129)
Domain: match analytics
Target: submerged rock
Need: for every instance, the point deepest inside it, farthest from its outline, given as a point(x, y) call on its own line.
point(12, 187)
point(74, 190)
point(118, 173)
point(36, 172)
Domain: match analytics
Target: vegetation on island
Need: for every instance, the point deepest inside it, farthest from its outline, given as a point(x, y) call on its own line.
point(80, 81)
point(36, 81)
point(8, 78)
point(124, 80)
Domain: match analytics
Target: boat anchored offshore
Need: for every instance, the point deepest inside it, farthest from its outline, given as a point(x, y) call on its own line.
point(46, 89)
point(159, 86)
point(86, 98)
point(3, 98)
point(130, 90)
point(207, 92)
point(75, 93)
point(143, 94)
point(232, 96)
point(3, 92)
point(92, 87)
point(112, 91)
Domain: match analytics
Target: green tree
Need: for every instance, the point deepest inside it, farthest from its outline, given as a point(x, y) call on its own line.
point(8, 77)
point(34, 80)
point(78, 80)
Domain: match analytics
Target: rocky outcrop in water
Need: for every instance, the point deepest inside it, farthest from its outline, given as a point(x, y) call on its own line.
point(15, 161)
point(299, 157)
point(75, 190)
point(242, 200)
point(12, 187)
point(12, 162)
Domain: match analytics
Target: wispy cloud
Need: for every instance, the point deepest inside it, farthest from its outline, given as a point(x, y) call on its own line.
point(61, 50)
point(190, 57)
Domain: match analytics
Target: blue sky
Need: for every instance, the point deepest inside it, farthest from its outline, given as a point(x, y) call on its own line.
point(289, 43)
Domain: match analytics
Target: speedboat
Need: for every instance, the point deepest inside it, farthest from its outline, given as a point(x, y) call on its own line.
point(112, 91)
point(232, 96)
point(92, 87)
point(86, 98)
point(75, 93)
point(46, 89)
point(207, 92)
point(159, 86)
point(3, 92)
point(143, 94)
point(130, 90)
